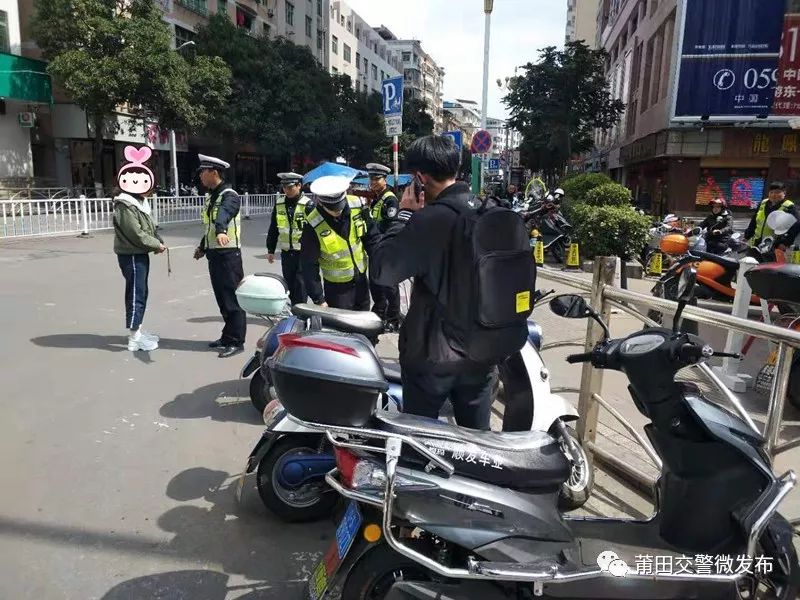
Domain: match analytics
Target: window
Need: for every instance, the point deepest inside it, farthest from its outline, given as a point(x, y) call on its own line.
point(5, 42)
point(341, 20)
point(335, 70)
point(366, 65)
point(347, 54)
point(244, 19)
point(657, 58)
point(358, 33)
point(267, 30)
point(181, 35)
point(349, 26)
point(309, 25)
point(334, 44)
point(383, 75)
point(320, 39)
point(375, 72)
point(197, 6)
point(319, 8)
point(358, 85)
point(646, 74)
point(222, 7)
point(358, 61)
point(406, 56)
point(290, 14)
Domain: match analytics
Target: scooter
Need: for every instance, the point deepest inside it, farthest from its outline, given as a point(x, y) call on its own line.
point(291, 459)
point(431, 521)
point(546, 223)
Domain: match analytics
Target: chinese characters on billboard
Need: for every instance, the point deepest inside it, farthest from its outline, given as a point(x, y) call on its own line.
point(739, 59)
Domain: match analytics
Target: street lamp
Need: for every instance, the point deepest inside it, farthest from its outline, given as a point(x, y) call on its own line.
point(173, 150)
point(488, 5)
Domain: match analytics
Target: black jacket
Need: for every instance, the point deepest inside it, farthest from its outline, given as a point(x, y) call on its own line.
point(309, 250)
point(788, 237)
point(723, 222)
point(419, 246)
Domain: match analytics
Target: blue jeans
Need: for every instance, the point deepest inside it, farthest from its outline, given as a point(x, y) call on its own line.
point(135, 268)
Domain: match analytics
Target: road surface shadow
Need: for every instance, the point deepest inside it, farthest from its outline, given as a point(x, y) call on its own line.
point(218, 401)
point(198, 585)
point(112, 343)
point(250, 321)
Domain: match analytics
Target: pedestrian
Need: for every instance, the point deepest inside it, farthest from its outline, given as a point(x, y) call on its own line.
point(758, 229)
point(385, 299)
point(468, 307)
point(134, 238)
point(285, 231)
point(337, 237)
point(222, 246)
point(718, 226)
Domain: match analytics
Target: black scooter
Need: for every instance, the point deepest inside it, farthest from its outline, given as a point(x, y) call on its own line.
point(464, 514)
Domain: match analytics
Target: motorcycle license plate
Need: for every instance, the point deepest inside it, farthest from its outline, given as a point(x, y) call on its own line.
point(346, 532)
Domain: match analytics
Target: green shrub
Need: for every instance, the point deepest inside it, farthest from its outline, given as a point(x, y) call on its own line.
point(577, 186)
point(609, 230)
point(609, 194)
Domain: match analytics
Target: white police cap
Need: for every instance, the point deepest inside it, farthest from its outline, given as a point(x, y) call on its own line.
point(211, 162)
point(377, 170)
point(287, 178)
point(330, 189)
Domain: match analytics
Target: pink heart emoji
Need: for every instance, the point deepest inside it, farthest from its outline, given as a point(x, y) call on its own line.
point(138, 155)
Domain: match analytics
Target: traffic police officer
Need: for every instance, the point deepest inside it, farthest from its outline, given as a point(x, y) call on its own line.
point(758, 229)
point(285, 230)
point(386, 300)
point(221, 245)
point(336, 239)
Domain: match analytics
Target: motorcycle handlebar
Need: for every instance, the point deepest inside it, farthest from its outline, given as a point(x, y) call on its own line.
point(579, 358)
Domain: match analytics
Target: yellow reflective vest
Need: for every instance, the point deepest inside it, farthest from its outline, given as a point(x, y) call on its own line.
point(762, 229)
point(339, 258)
point(377, 208)
point(234, 227)
point(290, 230)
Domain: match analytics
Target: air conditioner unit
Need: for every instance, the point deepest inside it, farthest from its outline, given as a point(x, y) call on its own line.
point(27, 119)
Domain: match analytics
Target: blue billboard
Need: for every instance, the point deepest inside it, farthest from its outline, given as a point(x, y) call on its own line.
point(735, 56)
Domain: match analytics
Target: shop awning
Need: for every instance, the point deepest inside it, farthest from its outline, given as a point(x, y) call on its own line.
point(24, 79)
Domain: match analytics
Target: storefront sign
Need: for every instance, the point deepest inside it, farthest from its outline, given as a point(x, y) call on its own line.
point(761, 144)
point(643, 149)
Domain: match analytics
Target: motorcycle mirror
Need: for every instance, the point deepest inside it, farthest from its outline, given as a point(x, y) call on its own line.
point(686, 285)
point(572, 306)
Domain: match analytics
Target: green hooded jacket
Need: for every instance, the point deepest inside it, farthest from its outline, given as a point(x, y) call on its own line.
point(134, 230)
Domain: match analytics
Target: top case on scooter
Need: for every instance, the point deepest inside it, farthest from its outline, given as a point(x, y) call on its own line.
point(327, 377)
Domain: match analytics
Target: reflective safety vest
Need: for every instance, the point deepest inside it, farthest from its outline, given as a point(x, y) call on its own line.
point(290, 230)
point(762, 229)
point(234, 227)
point(339, 258)
point(377, 208)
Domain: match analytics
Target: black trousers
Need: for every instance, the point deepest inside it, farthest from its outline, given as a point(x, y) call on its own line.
point(385, 301)
point(353, 295)
point(470, 393)
point(292, 273)
point(135, 269)
point(225, 269)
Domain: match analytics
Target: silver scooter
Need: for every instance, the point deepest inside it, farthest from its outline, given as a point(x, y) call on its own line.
point(292, 459)
point(449, 513)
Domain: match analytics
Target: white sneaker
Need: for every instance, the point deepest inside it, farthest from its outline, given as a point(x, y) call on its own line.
point(141, 342)
point(148, 335)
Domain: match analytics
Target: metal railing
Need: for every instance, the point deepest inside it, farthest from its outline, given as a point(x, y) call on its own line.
point(604, 296)
point(64, 216)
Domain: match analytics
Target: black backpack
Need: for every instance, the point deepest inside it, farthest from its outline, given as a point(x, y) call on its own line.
point(491, 282)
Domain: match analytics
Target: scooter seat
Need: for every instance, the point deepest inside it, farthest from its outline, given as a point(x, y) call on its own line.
point(728, 263)
point(348, 321)
point(518, 460)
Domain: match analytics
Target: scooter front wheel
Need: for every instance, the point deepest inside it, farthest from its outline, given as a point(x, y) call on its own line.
point(576, 490)
point(308, 502)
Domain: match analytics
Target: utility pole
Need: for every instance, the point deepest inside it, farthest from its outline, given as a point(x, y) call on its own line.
point(488, 5)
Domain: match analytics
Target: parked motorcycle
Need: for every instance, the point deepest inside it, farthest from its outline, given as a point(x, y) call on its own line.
point(451, 514)
point(546, 223)
point(291, 459)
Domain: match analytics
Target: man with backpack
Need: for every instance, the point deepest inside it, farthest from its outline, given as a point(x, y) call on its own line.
point(474, 280)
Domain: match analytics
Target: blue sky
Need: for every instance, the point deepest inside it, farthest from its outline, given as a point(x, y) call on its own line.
point(454, 37)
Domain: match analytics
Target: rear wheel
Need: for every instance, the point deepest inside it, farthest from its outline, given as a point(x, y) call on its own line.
point(576, 490)
point(373, 575)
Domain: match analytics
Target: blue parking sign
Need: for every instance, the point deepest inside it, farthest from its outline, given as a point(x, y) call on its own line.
point(456, 136)
point(393, 97)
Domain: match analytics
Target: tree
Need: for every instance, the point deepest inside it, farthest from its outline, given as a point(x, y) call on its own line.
point(107, 53)
point(558, 102)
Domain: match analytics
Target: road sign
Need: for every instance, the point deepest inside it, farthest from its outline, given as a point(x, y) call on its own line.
point(481, 142)
point(394, 125)
point(457, 137)
point(393, 97)
point(493, 167)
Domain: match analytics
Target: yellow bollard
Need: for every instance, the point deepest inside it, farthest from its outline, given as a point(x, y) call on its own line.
point(538, 252)
point(796, 257)
point(656, 264)
point(573, 256)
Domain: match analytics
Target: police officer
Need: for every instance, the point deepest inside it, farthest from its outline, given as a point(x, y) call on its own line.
point(221, 245)
point(336, 239)
point(285, 230)
point(386, 300)
point(776, 200)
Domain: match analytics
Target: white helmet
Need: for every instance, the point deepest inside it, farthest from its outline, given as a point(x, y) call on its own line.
point(780, 221)
point(559, 192)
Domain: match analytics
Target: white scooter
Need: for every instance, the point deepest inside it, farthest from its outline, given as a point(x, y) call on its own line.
point(291, 460)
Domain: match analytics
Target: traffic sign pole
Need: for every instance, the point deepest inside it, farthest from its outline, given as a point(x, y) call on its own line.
point(396, 154)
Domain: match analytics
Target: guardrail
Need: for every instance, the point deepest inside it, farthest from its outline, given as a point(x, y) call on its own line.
point(603, 296)
point(64, 216)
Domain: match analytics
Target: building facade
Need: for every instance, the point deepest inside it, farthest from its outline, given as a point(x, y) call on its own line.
point(582, 21)
point(422, 77)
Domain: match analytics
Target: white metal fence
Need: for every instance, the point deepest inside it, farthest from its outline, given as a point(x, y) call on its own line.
point(49, 217)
